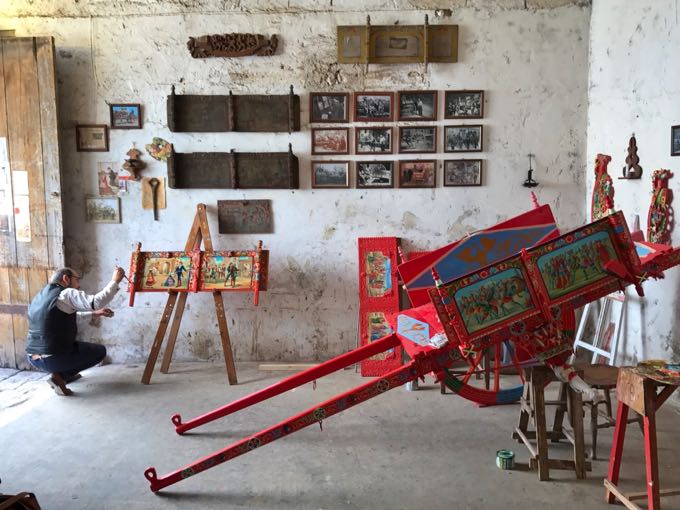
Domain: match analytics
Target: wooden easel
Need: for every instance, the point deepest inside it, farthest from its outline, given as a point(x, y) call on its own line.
point(199, 232)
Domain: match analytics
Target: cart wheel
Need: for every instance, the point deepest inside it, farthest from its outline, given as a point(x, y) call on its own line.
point(481, 380)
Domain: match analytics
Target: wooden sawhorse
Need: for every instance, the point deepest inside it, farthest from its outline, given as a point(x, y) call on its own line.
point(636, 390)
point(533, 405)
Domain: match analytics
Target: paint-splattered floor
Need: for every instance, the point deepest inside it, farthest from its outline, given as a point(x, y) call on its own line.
point(407, 450)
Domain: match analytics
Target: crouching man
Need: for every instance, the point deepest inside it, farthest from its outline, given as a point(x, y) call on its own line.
point(51, 345)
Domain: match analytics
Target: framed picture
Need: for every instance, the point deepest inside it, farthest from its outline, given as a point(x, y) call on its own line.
point(330, 174)
point(107, 179)
point(92, 138)
point(373, 106)
point(375, 174)
point(463, 172)
point(463, 138)
point(330, 141)
point(675, 140)
point(126, 116)
point(417, 174)
point(373, 140)
point(418, 105)
point(102, 209)
point(328, 107)
point(418, 139)
point(464, 104)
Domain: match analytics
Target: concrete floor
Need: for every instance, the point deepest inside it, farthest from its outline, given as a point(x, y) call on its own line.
point(401, 450)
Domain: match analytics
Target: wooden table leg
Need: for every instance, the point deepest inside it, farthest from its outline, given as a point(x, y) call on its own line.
point(617, 449)
point(538, 385)
point(651, 455)
point(576, 404)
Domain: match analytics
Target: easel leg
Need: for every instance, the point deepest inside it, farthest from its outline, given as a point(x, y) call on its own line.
point(224, 335)
point(177, 319)
point(651, 455)
point(158, 340)
point(617, 450)
point(576, 404)
point(538, 385)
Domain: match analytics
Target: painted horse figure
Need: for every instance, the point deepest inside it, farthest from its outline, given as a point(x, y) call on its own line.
point(530, 316)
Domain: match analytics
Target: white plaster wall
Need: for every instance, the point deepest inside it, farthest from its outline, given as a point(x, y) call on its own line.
point(532, 64)
point(634, 87)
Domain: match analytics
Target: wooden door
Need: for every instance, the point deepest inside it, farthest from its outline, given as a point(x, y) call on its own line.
point(31, 232)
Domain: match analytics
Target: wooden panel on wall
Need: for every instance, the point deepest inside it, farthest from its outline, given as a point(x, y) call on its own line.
point(6, 329)
point(8, 255)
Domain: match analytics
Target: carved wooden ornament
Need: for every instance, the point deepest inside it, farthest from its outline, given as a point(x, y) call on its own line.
point(232, 45)
point(603, 190)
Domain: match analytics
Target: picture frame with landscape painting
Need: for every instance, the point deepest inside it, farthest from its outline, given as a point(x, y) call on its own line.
point(330, 174)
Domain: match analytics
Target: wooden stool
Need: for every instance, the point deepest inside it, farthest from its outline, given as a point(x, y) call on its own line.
point(533, 406)
point(636, 389)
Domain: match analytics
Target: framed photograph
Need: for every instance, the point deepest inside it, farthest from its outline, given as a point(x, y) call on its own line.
point(417, 174)
point(464, 104)
point(328, 107)
point(373, 140)
point(418, 105)
point(330, 141)
point(330, 174)
point(126, 116)
point(463, 138)
point(463, 172)
point(418, 139)
point(102, 209)
point(373, 106)
point(675, 140)
point(375, 174)
point(92, 138)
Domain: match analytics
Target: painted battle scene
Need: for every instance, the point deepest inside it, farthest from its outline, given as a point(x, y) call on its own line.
point(576, 265)
point(227, 273)
point(379, 328)
point(167, 273)
point(493, 300)
point(378, 274)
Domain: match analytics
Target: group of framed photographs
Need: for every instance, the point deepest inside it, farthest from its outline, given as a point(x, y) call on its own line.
point(411, 105)
point(95, 137)
point(409, 174)
point(381, 140)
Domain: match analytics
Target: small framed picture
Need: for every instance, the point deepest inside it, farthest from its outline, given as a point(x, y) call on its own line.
point(107, 179)
point(375, 174)
point(463, 138)
point(92, 138)
point(102, 209)
point(328, 107)
point(330, 174)
point(464, 104)
point(126, 116)
point(463, 172)
point(418, 105)
point(373, 140)
point(330, 141)
point(675, 140)
point(417, 174)
point(373, 106)
point(418, 139)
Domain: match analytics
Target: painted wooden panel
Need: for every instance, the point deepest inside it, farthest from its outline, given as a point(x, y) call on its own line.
point(7, 242)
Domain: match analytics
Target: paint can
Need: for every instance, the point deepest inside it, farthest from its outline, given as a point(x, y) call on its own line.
point(505, 459)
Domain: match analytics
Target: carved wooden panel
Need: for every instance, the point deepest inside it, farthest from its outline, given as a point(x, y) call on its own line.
point(244, 216)
point(232, 45)
point(232, 170)
point(220, 113)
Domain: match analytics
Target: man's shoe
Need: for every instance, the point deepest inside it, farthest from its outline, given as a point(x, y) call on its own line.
point(58, 384)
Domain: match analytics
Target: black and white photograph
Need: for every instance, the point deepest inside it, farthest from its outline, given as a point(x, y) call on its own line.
point(373, 107)
point(373, 140)
point(463, 172)
point(328, 107)
point(463, 138)
point(418, 139)
point(330, 141)
point(675, 140)
point(418, 105)
point(375, 174)
point(330, 174)
point(464, 104)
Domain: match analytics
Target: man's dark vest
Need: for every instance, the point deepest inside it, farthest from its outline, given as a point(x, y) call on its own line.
point(50, 331)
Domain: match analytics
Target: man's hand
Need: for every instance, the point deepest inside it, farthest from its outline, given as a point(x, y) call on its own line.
point(118, 274)
point(104, 312)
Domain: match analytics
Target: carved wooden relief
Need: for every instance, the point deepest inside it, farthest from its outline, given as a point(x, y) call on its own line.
point(232, 45)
